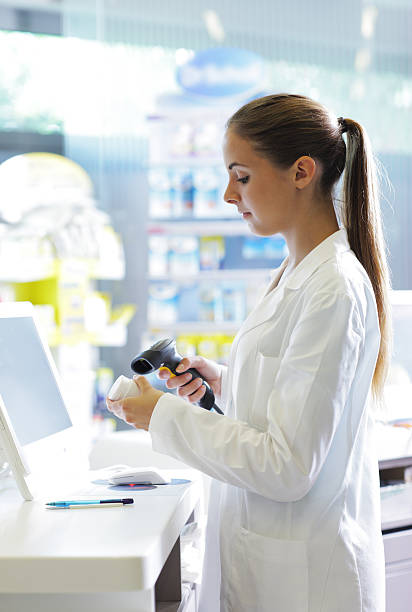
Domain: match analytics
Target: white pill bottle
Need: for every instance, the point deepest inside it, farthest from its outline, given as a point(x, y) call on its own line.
point(123, 387)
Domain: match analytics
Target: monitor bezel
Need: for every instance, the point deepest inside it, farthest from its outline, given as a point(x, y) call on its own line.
point(42, 459)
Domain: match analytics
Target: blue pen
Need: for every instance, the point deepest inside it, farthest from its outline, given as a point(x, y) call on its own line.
point(82, 502)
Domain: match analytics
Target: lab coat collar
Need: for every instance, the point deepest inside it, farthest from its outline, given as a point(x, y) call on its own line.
point(266, 308)
point(333, 245)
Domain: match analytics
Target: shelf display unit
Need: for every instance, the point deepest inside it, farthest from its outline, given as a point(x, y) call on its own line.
point(55, 247)
point(205, 268)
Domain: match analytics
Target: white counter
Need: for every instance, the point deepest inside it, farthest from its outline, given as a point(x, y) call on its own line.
point(108, 551)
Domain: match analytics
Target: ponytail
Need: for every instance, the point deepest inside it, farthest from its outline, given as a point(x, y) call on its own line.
point(362, 218)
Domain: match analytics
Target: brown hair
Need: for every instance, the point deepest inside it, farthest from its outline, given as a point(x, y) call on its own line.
point(282, 128)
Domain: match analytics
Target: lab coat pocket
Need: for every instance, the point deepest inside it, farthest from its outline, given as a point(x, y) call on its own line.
point(269, 574)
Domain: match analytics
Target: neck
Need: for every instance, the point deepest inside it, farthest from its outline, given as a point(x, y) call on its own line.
point(309, 231)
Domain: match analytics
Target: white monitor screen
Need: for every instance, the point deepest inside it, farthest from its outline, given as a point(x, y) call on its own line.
point(29, 389)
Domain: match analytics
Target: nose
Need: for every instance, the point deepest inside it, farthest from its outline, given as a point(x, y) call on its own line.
point(230, 196)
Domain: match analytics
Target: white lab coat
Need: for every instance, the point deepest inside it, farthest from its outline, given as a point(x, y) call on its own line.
point(296, 496)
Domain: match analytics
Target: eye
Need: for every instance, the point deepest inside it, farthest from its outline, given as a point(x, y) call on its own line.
point(243, 179)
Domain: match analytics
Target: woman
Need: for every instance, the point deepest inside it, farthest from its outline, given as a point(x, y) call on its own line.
point(294, 522)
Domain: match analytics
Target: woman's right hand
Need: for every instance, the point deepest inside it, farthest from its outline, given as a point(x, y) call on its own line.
point(187, 387)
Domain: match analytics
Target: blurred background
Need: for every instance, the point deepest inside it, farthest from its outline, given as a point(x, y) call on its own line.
point(112, 220)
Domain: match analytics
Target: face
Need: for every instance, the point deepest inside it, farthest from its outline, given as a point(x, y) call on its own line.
point(261, 192)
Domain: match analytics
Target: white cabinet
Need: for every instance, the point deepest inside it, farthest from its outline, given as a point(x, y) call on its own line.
point(398, 565)
point(396, 511)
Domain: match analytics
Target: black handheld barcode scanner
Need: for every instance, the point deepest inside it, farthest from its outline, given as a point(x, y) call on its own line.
point(164, 354)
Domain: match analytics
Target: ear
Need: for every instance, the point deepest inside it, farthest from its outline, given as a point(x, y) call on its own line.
point(304, 171)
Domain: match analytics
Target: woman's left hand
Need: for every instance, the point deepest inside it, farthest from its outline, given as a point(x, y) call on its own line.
point(137, 411)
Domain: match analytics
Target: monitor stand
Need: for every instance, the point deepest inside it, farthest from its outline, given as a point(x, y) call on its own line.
point(13, 454)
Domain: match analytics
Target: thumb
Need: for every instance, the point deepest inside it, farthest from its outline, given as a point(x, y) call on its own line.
point(142, 383)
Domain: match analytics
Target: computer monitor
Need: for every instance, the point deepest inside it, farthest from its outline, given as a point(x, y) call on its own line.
point(36, 432)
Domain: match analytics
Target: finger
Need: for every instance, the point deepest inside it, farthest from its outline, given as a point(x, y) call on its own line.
point(183, 365)
point(115, 408)
point(164, 373)
point(190, 387)
point(113, 405)
point(178, 381)
point(192, 362)
point(197, 396)
point(128, 417)
point(142, 383)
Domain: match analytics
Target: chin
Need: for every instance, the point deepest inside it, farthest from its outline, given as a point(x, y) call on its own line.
point(264, 233)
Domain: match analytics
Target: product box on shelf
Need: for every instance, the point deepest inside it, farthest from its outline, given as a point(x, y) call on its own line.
point(211, 252)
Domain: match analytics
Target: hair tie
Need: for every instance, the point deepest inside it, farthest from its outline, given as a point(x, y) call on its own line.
point(343, 124)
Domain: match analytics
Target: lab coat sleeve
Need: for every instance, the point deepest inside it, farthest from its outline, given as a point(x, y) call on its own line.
point(303, 410)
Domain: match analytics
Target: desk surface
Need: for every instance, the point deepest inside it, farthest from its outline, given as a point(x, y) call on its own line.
point(93, 549)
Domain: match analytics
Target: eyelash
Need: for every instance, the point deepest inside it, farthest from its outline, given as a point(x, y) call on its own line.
point(244, 180)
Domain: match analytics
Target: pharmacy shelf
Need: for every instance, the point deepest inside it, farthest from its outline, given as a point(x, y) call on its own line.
point(199, 227)
point(194, 113)
point(28, 270)
point(185, 162)
point(196, 327)
point(112, 335)
point(260, 274)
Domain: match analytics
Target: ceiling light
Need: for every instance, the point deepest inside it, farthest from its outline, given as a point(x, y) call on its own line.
point(213, 25)
point(363, 59)
point(369, 15)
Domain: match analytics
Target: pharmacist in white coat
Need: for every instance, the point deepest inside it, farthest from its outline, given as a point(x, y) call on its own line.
point(294, 518)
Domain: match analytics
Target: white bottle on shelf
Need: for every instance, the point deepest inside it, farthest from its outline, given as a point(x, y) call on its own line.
point(206, 192)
